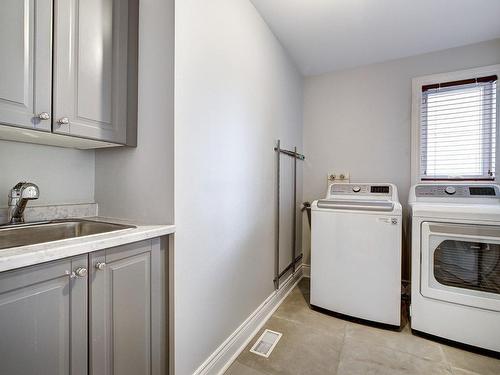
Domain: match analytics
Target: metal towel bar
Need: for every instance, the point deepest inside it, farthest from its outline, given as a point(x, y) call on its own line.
point(292, 265)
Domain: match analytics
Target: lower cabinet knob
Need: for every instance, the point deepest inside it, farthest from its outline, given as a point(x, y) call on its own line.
point(100, 265)
point(63, 121)
point(81, 272)
point(44, 116)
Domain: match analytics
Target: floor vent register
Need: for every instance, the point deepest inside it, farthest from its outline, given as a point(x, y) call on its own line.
point(266, 343)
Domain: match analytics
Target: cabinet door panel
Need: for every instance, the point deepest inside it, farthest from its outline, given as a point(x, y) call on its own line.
point(90, 82)
point(32, 316)
point(121, 311)
point(95, 61)
point(25, 62)
point(42, 316)
point(131, 342)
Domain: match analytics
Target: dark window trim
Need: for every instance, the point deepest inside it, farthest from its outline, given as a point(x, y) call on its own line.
point(456, 179)
point(433, 86)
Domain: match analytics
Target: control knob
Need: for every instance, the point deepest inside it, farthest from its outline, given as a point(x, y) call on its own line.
point(450, 190)
point(356, 189)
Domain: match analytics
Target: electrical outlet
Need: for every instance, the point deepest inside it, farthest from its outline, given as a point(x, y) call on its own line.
point(343, 177)
point(338, 177)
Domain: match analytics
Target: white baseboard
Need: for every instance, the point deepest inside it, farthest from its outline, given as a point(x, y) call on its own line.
point(306, 270)
point(225, 354)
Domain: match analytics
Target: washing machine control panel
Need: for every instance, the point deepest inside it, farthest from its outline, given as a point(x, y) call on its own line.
point(360, 189)
point(457, 191)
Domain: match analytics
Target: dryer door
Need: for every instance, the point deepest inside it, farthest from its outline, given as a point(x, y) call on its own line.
point(461, 264)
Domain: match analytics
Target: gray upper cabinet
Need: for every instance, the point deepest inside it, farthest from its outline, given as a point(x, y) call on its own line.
point(95, 69)
point(69, 67)
point(125, 322)
point(43, 319)
point(26, 63)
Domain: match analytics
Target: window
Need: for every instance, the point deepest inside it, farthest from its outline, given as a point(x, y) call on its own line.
point(456, 127)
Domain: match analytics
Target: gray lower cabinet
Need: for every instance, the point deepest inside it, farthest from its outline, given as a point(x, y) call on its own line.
point(125, 311)
point(43, 319)
point(109, 320)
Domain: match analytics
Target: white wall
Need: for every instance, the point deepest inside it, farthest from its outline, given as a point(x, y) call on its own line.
point(236, 93)
point(63, 175)
point(138, 183)
point(359, 120)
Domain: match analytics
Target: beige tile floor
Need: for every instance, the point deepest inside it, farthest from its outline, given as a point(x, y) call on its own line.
point(315, 343)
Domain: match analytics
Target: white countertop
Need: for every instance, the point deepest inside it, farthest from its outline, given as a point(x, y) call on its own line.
point(29, 255)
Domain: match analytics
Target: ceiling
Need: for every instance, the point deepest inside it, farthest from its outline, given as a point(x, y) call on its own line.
point(327, 35)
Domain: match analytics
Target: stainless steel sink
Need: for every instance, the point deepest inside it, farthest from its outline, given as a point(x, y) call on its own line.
point(48, 231)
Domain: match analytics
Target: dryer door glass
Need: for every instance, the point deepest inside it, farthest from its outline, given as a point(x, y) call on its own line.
point(460, 263)
point(468, 265)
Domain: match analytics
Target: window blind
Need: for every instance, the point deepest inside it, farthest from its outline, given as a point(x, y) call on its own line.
point(458, 130)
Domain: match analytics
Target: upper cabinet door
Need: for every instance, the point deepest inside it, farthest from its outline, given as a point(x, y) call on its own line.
point(26, 63)
point(92, 84)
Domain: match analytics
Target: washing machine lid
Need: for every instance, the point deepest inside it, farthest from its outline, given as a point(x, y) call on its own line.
point(356, 204)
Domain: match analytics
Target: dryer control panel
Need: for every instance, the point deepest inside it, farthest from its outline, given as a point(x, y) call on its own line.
point(457, 191)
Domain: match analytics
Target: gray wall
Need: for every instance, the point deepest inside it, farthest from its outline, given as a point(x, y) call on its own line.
point(359, 120)
point(63, 175)
point(138, 183)
point(236, 93)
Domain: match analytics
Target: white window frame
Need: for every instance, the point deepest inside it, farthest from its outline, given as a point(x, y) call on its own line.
point(417, 84)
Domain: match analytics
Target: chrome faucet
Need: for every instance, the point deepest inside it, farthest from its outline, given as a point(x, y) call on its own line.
point(18, 198)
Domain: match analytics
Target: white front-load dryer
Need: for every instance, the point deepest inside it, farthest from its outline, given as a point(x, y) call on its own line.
point(456, 263)
point(356, 252)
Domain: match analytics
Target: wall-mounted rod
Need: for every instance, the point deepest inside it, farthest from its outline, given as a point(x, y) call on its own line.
point(290, 153)
point(292, 265)
point(277, 244)
point(294, 239)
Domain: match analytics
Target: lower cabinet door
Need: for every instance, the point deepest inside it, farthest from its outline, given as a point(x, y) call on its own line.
point(122, 326)
point(43, 319)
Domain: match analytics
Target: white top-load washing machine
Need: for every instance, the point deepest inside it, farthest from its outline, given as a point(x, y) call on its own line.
point(356, 252)
point(456, 262)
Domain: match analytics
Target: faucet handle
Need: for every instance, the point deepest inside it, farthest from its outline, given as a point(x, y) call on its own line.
point(15, 192)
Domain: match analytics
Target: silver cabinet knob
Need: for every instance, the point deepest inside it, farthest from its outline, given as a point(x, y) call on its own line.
point(81, 272)
point(63, 121)
point(100, 265)
point(44, 116)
